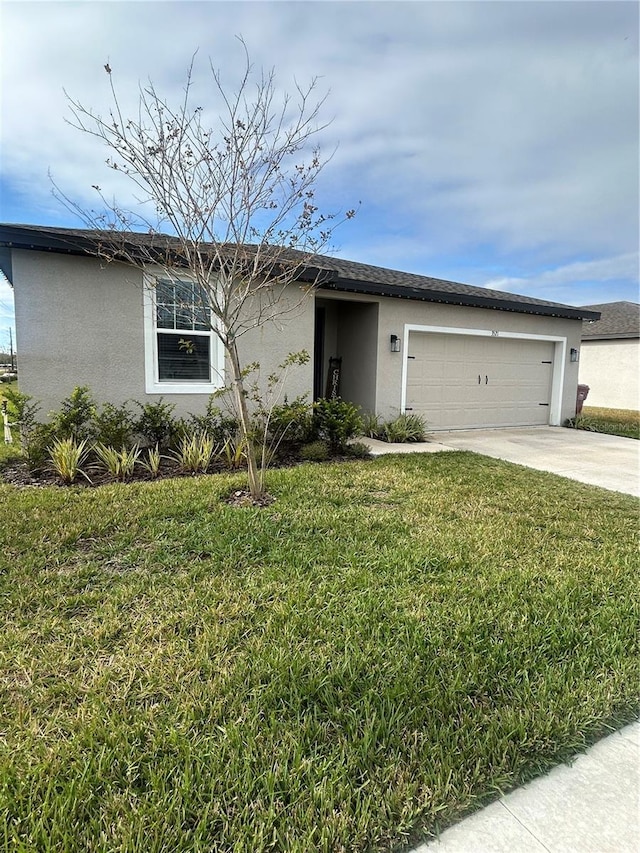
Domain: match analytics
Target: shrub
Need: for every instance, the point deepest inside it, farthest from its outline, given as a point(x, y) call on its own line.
point(214, 422)
point(315, 451)
point(358, 449)
point(34, 441)
point(156, 424)
point(291, 423)
point(22, 412)
point(336, 421)
point(404, 428)
point(67, 456)
point(114, 426)
point(75, 419)
point(37, 444)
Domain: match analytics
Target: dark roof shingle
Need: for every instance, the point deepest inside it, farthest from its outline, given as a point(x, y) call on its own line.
point(617, 320)
point(338, 274)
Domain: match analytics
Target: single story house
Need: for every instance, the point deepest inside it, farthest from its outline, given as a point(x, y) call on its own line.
point(388, 341)
point(610, 356)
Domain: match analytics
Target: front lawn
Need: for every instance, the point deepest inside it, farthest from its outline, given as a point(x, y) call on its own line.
point(624, 422)
point(387, 646)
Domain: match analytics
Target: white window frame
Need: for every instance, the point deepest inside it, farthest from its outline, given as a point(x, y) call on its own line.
point(153, 384)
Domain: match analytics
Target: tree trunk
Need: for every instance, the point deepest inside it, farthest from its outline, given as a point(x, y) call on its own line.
point(254, 472)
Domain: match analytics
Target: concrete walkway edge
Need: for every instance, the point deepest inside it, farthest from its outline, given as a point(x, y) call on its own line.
point(590, 806)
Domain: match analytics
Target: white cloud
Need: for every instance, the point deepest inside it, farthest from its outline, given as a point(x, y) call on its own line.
point(507, 132)
point(578, 278)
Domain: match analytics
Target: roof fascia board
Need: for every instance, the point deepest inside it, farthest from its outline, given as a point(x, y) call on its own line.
point(17, 237)
point(5, 264)
point(623, 336)
point(466, 300)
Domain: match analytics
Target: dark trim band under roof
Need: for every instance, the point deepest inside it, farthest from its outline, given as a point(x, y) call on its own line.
point(337, 274)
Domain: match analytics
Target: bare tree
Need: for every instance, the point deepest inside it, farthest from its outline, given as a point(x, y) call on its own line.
point(237, 200)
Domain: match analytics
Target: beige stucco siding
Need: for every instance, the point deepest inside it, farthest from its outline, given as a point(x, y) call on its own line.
point(611, 369)
point(395, 313)
point(80, 322)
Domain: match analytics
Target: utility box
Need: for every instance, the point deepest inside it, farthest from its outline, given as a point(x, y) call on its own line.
point(583, 393)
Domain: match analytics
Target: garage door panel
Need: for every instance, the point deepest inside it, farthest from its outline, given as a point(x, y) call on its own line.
point(464, 381)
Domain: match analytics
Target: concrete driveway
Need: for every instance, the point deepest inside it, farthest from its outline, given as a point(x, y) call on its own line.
point(600, 460)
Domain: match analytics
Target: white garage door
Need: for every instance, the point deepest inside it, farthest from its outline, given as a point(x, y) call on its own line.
point(463, 381)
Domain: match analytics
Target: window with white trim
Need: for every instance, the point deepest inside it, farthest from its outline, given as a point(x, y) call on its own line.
point(182, 352)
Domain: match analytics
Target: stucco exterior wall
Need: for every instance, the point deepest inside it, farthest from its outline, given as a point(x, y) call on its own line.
point(611, 369)
point(80, 322)
point(395, 313)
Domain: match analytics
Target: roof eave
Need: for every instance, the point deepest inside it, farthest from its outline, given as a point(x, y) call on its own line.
point(624, 336)
point(465, 300)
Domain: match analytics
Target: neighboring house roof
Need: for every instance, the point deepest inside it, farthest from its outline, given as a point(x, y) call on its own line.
point(336, 273)
point(617, 320)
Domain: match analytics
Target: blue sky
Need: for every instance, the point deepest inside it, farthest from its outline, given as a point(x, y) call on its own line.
point(494, 143)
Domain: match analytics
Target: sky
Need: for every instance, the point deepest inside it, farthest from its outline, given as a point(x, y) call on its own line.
point(492, 143)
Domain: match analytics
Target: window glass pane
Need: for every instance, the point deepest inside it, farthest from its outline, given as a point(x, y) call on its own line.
point(201, 319)
point(165, 317)
point(184, 293)
point(164, 292)
point(183, 358)
point(184, 318)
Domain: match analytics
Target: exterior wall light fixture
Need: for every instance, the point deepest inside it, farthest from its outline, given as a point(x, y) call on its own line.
point(573, 354)
point(395, 343)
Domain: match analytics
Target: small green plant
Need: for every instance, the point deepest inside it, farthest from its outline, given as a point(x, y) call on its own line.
point(195, 453)
point(67, 456)
point(36, 445)
point(404, 428)
point(151, 463)
point(336, 421)
point(234, 452)
point(75, 418)
point(371, 424)
point(315, 451)
point(291, 423)
point(622, 422)
point(34, 438)
point(156, 424)
point(216, 423)
point(358, 449)
point(114, 425)
point(119, 463)
point(22, 412)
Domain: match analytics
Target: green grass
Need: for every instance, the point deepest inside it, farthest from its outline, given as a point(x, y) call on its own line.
point(387, 646)
point(624, 422)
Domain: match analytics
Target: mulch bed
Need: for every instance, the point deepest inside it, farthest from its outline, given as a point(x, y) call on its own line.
point(17, 473)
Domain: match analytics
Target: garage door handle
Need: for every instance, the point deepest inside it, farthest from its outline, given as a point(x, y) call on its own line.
point(486, 380)
point(479, 379)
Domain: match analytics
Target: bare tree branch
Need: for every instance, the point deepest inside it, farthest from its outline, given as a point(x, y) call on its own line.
point(236, 199)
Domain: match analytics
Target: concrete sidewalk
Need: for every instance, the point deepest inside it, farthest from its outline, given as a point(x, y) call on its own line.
point(602, 460)
point(591, 806)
